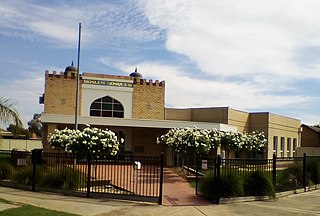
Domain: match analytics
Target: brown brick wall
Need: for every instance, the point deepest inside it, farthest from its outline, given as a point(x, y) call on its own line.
point(211, 114)
point(148, 99)
point(60, 94)
point(310, 138)
point(178, 114)
point(259, 122)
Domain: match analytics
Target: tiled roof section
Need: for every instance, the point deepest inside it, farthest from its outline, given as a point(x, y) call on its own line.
point(316, 129)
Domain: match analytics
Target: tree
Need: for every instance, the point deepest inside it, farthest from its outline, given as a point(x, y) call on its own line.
point(35, 125)
point(16, 131)
point(8, 113)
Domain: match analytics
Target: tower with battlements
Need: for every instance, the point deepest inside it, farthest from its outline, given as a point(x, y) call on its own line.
point(141, 99)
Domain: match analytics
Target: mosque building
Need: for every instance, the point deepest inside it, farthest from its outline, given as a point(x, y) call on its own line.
point(134, 108)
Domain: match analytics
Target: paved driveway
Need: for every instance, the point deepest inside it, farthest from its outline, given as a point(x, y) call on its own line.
point(178, 192)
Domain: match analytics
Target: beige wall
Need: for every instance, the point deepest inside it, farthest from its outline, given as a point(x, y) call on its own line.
point(224, 115)
point(144, 142)
point(148, 99)
point(216, 114)
point(239, 119)
point(9, 144)
point(47, 130)
point(270, 124)
point(178, 114)
point(310, 151)
point(284, 128)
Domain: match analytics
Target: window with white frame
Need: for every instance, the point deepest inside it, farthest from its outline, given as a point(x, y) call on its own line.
point(107, 107)
point(294, 146)
point(282, 146)
point(275, 145)
point(288, 147)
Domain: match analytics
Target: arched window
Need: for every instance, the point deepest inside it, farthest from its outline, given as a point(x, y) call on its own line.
point(106, 107)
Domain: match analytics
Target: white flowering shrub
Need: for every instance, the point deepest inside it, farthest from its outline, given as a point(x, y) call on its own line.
point(60, 138)
point(186, 140)
point(257, 141)
point(90, 140)
point(189, 140)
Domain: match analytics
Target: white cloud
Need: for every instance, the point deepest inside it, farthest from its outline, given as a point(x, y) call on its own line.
point(248, 55)
point(102, 22)
point(227, 38)
point(185, 91)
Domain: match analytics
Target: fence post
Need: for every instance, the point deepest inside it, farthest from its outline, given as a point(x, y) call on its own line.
point(304, 171)
point(274, 171)
point(89, 175)
point(161, 178)
point(34, 169)
point(197, 170)
point(218, 164)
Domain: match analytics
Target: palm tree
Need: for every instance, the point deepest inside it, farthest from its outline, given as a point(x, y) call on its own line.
point(8, 113)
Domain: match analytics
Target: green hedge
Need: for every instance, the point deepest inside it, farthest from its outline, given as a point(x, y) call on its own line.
point(46, 176)
point(65, 177)
point(5, 168)
point(234, 184)
point(258, 183)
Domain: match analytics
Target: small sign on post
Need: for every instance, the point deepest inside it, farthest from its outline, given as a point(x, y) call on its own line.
point(204, 164)
point(137, 167)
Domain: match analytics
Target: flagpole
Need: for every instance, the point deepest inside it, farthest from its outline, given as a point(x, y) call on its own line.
point(78, 77)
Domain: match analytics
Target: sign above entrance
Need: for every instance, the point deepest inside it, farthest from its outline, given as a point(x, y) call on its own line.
point(107, 83)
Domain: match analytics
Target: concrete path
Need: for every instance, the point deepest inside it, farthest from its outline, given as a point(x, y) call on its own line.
point(178, 192)
point(300, 204)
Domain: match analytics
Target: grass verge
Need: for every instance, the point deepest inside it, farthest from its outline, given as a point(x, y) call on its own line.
point(26, 210)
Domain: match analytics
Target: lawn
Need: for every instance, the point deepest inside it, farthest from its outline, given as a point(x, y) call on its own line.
point(26, 210)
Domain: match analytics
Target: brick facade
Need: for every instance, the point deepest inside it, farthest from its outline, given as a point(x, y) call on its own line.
point(148, 100)
point(60, 93)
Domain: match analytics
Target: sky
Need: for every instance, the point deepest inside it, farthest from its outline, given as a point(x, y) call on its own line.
point(255, 56)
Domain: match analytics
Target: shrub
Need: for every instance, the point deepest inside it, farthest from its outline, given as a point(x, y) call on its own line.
point(5, 168)
point(257, 183)
point(62, 178)
point(313, 171)
point(52, 177)
point(207, 185)
point(290, 178)
point(22, 175)
point(230, 185)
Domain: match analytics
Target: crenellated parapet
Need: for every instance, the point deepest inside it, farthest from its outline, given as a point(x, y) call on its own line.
point(150, 82)
point(148, 99)
point(61, 75)
point(60, 91)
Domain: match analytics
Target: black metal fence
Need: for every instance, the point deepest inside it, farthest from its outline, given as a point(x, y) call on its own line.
point(223, 178)
point(123, 177)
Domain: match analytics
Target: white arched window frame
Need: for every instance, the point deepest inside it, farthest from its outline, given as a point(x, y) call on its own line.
point(107, 107)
